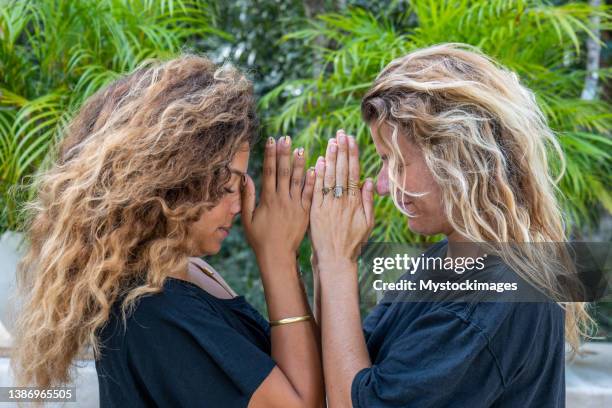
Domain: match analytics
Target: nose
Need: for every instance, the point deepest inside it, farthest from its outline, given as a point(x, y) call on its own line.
point(382, 182)
point(236, 207)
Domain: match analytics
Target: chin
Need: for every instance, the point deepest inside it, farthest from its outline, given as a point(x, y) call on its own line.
point(212, 250)
point(208, 249)
point(420, 226)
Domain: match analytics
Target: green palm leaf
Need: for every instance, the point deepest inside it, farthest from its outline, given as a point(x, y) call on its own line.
point(54, 54)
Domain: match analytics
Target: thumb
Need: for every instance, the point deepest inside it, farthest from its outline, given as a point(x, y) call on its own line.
point(367, 198)
point(247, 196)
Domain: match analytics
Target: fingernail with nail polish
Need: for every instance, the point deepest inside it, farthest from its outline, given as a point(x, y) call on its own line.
point(301, 151)
point(320, 164)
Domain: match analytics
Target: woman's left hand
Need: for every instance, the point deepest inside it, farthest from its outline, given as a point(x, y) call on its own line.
point(342, 214)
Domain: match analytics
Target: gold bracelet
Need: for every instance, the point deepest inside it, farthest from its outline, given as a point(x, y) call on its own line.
point(290, 320)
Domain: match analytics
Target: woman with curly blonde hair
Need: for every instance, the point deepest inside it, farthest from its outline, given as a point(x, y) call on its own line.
point(150, 177)
point(464, 150)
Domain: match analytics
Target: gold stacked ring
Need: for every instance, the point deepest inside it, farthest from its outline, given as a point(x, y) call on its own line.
point(353, 187)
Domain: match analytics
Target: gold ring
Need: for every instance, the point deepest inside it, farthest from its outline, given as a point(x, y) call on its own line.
point(353, 187)
point(326, 190)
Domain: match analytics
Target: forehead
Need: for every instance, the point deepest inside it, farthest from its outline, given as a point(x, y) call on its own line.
point(381, 134)
point(240, 162)
point(382, 137)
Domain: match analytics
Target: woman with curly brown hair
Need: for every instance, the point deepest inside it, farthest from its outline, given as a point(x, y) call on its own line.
point(150, 177)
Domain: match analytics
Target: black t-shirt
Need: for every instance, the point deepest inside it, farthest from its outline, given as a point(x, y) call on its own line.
point(184, 348)
point(452, 354)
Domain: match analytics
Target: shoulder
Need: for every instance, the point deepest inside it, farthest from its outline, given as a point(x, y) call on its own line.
point(174, 294)
point(507, 314)
point(179, 304)
point(507, 318)
point(517, 334)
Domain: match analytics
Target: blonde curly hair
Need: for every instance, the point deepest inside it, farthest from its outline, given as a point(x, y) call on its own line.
point(486, 143)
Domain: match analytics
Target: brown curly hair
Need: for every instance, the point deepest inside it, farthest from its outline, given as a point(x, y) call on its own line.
point(140, 162)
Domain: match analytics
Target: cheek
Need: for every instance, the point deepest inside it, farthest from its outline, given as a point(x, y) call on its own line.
point(203, 234)
point(421, 181)
point(218, 214)
point(207, 223)
point(413, 182)
point(200, 229)
point(429, 213)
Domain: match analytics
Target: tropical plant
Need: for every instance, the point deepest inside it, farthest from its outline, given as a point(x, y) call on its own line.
point(56, 53)
point(542, 42)
point(256, 27)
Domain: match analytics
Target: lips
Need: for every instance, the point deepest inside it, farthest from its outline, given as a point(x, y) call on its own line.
point(225, 230)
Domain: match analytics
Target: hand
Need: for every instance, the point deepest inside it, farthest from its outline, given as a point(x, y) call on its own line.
point(338, 225)
point(278, 224)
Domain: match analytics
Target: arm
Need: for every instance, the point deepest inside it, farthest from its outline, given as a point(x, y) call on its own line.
point(344, 347)
point(274, 230)
point(316, 285)
point(294, 346)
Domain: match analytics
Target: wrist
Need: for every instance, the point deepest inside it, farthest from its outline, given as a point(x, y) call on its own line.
point(337, 271)
point(338, 280)
point(335, 263)
point(269, 254)
point(283, 263)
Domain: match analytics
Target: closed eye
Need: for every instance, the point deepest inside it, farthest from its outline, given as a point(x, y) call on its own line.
point(399, 168)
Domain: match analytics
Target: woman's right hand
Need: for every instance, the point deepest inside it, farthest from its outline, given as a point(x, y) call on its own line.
point(275, 229)
point(338, 225)
point(278, 224)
